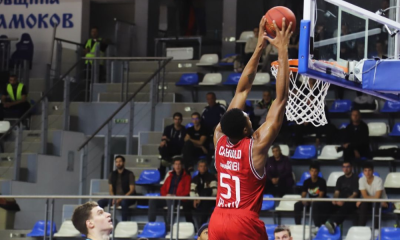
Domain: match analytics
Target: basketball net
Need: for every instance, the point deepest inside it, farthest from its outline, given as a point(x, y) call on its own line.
point(306, 102)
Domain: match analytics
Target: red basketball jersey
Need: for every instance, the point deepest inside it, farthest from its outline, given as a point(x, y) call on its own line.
point(240, 186)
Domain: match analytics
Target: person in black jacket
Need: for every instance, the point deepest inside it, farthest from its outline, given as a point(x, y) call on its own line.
point(172, 142)
point(121, 182)
point(356, 138)
point(204, 184)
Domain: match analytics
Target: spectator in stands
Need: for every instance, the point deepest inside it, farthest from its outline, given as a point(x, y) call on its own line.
point(172, 142)
point(90, 50)
point(212, 114)
point(121, 182)
point(177, 183)
point(204, 184)
point(356, 138)
point(14, 99)
point(251, 45)
point(371, 187)
point(202, 234)
point(195, 142)
point(337, 212)
point(282, 233)
point(91, 220)
point(314, 187)
point(380, 51)
point(279, 173)
point(263, 106)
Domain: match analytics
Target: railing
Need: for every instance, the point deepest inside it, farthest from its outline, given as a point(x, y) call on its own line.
point(20, 67)
point(51, 199)
point(157, 80)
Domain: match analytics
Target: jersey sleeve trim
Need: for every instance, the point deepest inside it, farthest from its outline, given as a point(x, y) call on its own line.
point(253, 169)
point(215, 153)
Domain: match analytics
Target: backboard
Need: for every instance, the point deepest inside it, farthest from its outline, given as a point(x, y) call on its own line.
point(347, 32)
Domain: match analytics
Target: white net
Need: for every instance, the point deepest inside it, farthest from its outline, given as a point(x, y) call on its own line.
point(306, 101)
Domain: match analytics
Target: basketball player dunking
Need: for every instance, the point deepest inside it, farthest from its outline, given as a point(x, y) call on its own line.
point(240, 154)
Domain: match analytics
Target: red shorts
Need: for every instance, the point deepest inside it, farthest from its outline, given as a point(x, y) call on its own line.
point(236, 224)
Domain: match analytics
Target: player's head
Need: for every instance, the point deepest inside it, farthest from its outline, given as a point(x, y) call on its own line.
point(119, 162)
point(314, 170)
point(211, 99)
point(196, 118)
point(282, 233)
point(368, 170)
point(236, 124)
point(90, 219)
point(202, 166)
point(203, 232)
point(355, 116)
point(347, 168)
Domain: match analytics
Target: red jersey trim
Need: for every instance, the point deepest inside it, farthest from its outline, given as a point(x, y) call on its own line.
point(253, 169)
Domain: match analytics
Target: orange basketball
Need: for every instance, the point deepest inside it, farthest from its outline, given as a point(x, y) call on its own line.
point(277, 13)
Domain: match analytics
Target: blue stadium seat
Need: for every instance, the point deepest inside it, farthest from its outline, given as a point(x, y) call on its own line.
point(270, 228)
point(233, 79)
point(390, 233)
point(305, 152)
point(362, 174)
point(396, 130)
point(343, 125)
point(38, 229)
point(147, 206)
point(306, 175)
point(267, 205)
point(391, 107)
point(323, 234)
point(341, 106)
point(227, 63)
point(189, 125)
point(149, 177)
point(153, 230)
point(188, 79)
point(195, 173)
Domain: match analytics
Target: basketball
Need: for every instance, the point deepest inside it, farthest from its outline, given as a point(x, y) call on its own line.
point(277, 13)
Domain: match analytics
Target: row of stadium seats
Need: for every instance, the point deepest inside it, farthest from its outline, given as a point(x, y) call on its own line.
point(344, 106)
point(210, 79)
point(129, 230)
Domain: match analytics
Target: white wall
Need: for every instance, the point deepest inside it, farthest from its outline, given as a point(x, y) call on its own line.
point(38, 21)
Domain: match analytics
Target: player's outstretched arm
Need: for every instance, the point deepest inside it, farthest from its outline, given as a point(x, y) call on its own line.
point(268, 131)
point(249, 73)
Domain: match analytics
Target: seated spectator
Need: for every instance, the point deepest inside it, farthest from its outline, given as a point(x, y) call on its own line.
point(314, 187)
point(282, 233)
point(271, 55)
point(121, 183)
point(202, 185)
point(337, 212)
point(202, 234)
point(371, 187)
point(263, 106)
point(356, 138)
point(92, 221)
point(212, 114)
point(171, 142)
point(176, 184)
point(14, 99)
point(364, 101)
point(279, 173)
point(195, 142)
point(251, 45)
point(380, 51)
